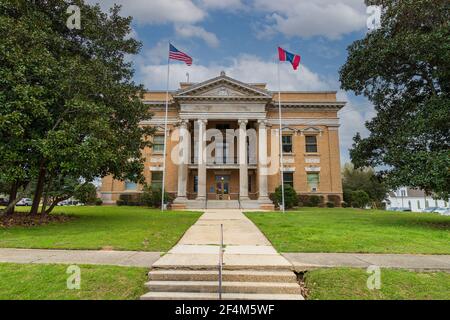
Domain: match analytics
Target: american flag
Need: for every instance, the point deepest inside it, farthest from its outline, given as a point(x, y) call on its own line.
point(175, 54)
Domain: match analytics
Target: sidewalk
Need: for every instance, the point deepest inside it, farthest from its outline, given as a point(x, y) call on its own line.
point(101, 257)
point(307, 261)
point(245, 245)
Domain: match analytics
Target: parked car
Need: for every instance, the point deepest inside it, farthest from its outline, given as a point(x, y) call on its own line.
point(3, 202)
point(442, 211)
point(430, 209)
point(70, 203)
point(24, 202)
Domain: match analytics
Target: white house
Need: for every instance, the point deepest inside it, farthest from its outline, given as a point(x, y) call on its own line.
point(414, 199)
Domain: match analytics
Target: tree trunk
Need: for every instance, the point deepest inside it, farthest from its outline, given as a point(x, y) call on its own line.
point(54, 203)
point(39, 189)
point(12, 198)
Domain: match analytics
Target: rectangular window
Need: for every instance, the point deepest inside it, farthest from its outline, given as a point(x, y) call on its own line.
point(249, 183)
point(288, 178)
point(195, 184)
point(287, 144)
point(311, 143)
point(157, 178)
point(313, 180)
point(158, 144)
point(130, 185)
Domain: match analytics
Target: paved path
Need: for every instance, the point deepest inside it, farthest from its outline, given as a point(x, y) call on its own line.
point(117, 258)
point(246, 246)
point(307, 261)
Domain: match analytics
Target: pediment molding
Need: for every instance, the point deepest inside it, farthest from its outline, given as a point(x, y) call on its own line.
point(222, 88)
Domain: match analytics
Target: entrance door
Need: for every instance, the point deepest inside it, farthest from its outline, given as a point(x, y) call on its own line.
point(223, 187)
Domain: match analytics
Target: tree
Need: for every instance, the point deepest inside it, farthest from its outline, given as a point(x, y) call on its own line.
point(290, 197)
point(363, 179)
point(403, 68)
point(69, 105)
point(87, 193)
point(360, 199)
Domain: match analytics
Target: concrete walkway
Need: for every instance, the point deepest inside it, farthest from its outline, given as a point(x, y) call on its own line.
point(307, 261)
point(246, 246)
point(115, 258)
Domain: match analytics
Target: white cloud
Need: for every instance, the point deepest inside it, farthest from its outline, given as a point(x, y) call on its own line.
point(246, 68)
point(157, 11)
point(190, 31)
point(305, 18)
point(352, 119)
point(222, 4)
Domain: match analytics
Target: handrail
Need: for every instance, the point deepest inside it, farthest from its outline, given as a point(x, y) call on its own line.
point(221, 250)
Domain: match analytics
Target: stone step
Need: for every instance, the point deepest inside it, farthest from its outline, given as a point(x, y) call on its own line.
point(222, 204)
point(227, 287)
point(215, 296)
point(228, 275)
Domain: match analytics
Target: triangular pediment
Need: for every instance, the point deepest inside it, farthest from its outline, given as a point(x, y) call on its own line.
point(222, 87)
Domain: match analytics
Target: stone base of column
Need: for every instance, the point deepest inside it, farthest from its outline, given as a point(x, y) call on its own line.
point(179, 203)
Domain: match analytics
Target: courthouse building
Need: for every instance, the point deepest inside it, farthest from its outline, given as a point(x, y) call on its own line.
point(235, 126)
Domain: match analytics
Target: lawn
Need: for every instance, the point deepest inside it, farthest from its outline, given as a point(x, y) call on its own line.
point(104, 227)
point(49, 282)
point(352, 230)
point(351, 284)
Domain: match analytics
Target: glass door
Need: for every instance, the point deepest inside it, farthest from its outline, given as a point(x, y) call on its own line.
point(222, 187)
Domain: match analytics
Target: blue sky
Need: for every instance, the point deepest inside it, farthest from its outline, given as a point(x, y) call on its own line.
point(241, 37)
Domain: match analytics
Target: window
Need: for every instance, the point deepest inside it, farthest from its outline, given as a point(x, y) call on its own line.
point(195, 184)
point(288, 178)
point(311, 143)
point(313, 180)
point(250, 182)
point(157, 178)
point(130, 185)
point(158, 144)
point(427, 205)
point(418, 204)
point(287, 144)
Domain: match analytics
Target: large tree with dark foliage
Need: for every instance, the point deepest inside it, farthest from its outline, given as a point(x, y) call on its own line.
point(68, 104)
point(403, 68)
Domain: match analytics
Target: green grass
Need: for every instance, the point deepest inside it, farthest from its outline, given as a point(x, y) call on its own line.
point(49, 282)
point(117, 228)
point(352, 230)
point(351, 284)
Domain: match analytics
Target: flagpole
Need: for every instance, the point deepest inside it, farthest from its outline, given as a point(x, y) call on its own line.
point(165, 134)
point(281, 139)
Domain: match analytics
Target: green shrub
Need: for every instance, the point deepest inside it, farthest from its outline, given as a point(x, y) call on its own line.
point(335, 199)
point(86, 193)
point(120, 203)
point(131, 199)
point(360, 199)
point(98, 202)
point(290, 197)
point(344, 204)
point(330, 204)
point(315, 201)
point(152, 197)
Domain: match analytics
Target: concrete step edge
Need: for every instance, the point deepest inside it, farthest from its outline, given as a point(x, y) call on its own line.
point(214, 296)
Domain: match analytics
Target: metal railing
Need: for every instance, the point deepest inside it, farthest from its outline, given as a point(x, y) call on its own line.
point(221, 250)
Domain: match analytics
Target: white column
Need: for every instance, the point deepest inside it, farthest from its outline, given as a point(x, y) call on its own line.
point(262, 160)
point(201, 195)
point(243, 167)
point(185, 146)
